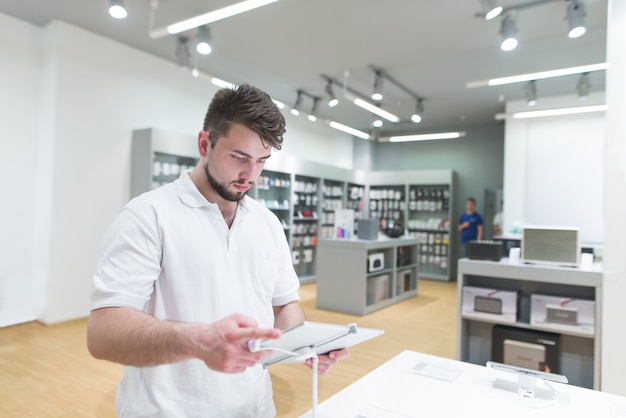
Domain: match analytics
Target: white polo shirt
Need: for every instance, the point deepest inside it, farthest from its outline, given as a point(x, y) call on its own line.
point(169, 253)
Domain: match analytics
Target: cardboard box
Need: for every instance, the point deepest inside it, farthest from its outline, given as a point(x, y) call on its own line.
point(492, 304)
point(563, 313)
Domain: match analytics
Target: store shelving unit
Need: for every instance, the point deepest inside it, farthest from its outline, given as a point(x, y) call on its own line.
point(580, 351)
point(429, 219)
point(158, 158)
point(274, 192)
point(305, 225)
point(355, 197)
point(387, 204)
point(388, 274)
point(333, 197)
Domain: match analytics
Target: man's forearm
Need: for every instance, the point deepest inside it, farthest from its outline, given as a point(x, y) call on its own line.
point(130, 337)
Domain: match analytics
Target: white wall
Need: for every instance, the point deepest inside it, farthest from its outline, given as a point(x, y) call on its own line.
point(554, 168)
point(71, 100)
point(614, 308)
point(21, 60)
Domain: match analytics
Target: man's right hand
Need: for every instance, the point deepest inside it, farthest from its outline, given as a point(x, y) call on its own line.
point(223, 345)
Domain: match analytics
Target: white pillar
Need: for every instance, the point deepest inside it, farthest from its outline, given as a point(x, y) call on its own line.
point(613, 367)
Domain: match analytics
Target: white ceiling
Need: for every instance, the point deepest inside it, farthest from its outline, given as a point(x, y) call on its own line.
point(433, 47)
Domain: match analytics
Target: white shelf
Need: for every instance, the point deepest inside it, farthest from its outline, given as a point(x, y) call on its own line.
point(580, 348)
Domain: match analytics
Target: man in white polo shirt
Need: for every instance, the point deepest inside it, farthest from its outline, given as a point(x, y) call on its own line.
point(188, 273)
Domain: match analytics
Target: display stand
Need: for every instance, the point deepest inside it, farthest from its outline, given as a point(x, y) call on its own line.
point(361, 276)
point(579, 355)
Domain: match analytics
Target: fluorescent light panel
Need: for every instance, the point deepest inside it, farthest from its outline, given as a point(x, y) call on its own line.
point(349, 130)
point(376, 110)
point(559, 112)
point(222, 83)
point(210, 17)
point(426, 137)
point(538, 76)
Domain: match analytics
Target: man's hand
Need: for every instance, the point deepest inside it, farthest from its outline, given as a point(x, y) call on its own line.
point(327, 361)
point(223, 345)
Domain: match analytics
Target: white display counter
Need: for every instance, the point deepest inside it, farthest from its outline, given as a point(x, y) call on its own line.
point(395, 390)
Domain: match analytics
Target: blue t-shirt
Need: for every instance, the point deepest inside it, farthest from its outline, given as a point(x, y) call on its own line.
point(471, 232)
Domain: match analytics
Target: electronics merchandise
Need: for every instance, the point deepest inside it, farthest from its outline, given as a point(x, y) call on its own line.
point(552, 245)
point(562, 314)
point(488, 305)
point(484, 250)
point(522, 354)
point(525, 347)
point(375, 262)
point(317, 336)
point(367, 228)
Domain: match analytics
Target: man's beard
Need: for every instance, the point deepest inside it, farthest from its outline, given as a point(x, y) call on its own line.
point(221, 188)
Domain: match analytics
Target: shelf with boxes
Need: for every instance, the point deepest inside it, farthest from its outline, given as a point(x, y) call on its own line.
point(305, 228)
point(388, 274)
point(387, 204)
point(429, 220)
point(355, 197)
point(273, 190)
point(332, 199)
point(531, 315)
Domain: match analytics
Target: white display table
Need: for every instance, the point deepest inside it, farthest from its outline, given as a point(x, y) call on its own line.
point(394, 391)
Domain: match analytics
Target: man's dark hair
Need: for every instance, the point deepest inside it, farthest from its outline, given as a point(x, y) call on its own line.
point(248, 106)
point(471, 199)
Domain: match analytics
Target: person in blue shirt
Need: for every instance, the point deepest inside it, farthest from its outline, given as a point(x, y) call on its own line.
point(470, 224)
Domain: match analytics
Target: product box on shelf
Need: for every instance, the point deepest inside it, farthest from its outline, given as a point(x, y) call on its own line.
point(377, 289)
point(563, 313)
point(492, 304)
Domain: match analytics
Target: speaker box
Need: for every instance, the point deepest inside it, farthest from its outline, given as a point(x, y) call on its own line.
point(367, 228)
point(531, 349)
point(484, 250)
point(551, 245)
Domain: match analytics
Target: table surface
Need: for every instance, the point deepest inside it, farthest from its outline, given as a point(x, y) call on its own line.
point(451, 388)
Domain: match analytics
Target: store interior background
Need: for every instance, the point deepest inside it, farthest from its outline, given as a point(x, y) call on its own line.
point(71, 99)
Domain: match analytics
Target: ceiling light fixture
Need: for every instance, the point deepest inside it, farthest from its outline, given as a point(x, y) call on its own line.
point(509, 33)
point(355, 97)
point(332, 99)
point(375, 110)
point(419, 109)
point(313, 115)
point(117, 9)
point(538, 76)
point(576, 18)
point(222, 83)
point(377, 123)
point(530, 91)
point(583, 87)
point(295, 110)
point(204, 37)
point(426, 137)
point(210, 17)
point(553, 112)
point(492, 8)
point(377, 94)
point(279, 104)
point(349, 130)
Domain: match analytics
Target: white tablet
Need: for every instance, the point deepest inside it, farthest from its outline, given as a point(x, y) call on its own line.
point(318, 336)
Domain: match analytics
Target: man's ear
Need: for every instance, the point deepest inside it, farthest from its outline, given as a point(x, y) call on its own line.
point(203, 143)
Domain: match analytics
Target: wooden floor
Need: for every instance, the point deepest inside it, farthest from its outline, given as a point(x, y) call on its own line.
point(46, 371)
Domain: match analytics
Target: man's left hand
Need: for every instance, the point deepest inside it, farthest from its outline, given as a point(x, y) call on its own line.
point(326, 361)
